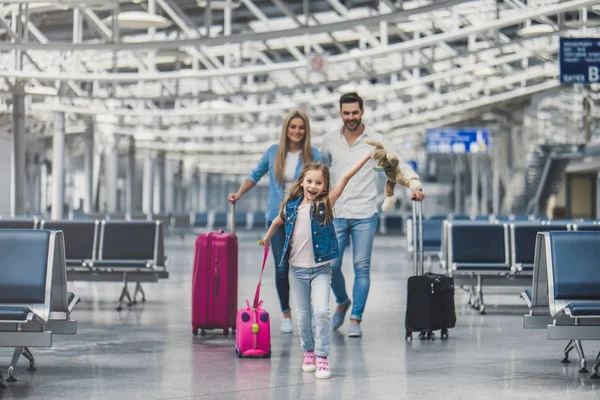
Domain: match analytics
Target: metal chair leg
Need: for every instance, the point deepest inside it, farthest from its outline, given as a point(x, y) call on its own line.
point(595, 369)
point(570, 346)
point(583, 363)
point(124, 294)
point(481, 304)
point(29, 356)
point(13, 363)
point(139, 289)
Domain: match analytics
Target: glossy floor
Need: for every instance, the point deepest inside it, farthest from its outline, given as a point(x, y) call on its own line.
point(149, 352)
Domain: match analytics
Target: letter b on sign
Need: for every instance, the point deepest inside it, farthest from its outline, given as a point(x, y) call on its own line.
point(593, 74)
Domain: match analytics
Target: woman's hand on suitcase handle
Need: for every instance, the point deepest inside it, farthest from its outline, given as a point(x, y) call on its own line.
point(233, 197)
point(265, 242)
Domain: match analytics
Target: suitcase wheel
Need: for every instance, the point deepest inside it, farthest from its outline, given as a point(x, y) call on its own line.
point(444, 334)
point(430, 336)
point(422, 335)
point(226, 332)
point(238, 352)
point(195, 331)
point(202, 332)
point(408, 336)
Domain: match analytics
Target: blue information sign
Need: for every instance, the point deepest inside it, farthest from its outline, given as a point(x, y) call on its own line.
point(457, 140)
point(579, 60)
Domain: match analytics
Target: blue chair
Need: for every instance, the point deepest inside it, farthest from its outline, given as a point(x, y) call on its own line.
point(522, 243)
point(200, 220)
point(477, 249)
point(81, 240)
point(34, 302)
point(128, 251)
point(260, 220)
point(574, 286)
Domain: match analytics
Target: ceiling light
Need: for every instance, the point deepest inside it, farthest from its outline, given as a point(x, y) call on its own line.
point(139, 20)
point(535, 30)
point(484, 71)
point(42, 90)
point(220, 5)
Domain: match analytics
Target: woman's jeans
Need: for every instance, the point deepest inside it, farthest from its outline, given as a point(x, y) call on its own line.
point(361, 232)
point(281, 272)
point(311, 287)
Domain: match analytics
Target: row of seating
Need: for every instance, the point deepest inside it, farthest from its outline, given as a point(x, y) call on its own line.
point(500, 253)
point(108, 251)
point(173, 223)
point(565, 298)
point(34, 302)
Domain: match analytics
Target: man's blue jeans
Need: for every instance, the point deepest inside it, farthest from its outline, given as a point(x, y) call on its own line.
point(361, 232)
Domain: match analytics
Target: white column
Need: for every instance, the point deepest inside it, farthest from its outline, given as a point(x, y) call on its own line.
point(18, 172)
point(148, 196)
point(88, 168)
point(169, 186)
point(58, 167)
point(202, 206)
point(111, 156)
point(159, 183)
point(474, 181)
point(130, 192)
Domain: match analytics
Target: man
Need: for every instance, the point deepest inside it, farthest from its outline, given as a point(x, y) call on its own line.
point(356, 209)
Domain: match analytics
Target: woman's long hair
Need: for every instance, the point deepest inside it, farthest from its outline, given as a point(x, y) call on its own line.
point(306, 150)
point(297, 190)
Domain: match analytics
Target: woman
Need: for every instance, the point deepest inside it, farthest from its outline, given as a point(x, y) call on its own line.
point(284, 163)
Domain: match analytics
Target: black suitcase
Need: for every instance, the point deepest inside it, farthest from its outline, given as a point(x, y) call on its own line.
point(430, 297)
point(430, 305)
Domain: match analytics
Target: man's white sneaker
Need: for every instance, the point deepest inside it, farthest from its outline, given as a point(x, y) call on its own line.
point(287, 326)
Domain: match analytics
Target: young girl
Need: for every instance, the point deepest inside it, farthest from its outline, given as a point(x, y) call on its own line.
point(310, 245)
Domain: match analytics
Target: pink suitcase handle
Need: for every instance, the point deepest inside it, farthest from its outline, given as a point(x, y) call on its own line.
point(257, 294)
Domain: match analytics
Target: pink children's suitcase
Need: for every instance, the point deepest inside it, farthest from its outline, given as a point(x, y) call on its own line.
point(253, 334)
point(215, 281)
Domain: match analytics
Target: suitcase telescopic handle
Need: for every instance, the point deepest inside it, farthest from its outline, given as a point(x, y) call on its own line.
point(232, 202)
point(417, 237)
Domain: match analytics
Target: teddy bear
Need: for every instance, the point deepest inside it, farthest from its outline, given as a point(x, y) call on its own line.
point(390, 164)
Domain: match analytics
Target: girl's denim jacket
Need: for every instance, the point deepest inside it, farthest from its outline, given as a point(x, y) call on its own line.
point(325, 245)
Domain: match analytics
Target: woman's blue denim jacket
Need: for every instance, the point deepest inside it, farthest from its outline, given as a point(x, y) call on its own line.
point(267, 164)
point(325, 245)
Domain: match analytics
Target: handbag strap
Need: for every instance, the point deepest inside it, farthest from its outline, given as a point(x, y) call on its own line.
point(257, 294)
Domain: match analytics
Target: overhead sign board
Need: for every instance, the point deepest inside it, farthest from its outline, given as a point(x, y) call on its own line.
point(457, 140)
point(579, 60)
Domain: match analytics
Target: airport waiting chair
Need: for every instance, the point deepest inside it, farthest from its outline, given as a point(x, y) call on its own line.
point(34, 302)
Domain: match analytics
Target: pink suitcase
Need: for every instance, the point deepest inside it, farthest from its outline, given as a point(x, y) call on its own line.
point(253, 334)
point(215, 281)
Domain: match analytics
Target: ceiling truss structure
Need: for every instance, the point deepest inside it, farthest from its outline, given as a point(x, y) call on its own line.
point(213, 78)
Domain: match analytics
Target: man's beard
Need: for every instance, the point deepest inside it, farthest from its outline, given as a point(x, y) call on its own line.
point(358, 123)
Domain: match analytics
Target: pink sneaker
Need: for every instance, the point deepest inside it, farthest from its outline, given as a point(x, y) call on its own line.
point(323, 371)
point(308, 363)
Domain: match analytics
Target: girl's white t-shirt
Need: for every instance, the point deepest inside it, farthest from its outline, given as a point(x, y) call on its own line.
point(291, 161)
point(301, 244)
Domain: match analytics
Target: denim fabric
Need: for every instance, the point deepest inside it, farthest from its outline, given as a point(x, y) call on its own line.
point(361, 232)
point(281, 269)
point(325, 245)
point(311, 287)
point(267, 164)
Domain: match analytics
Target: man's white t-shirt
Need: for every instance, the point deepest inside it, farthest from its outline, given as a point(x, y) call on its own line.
point(359, 199)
